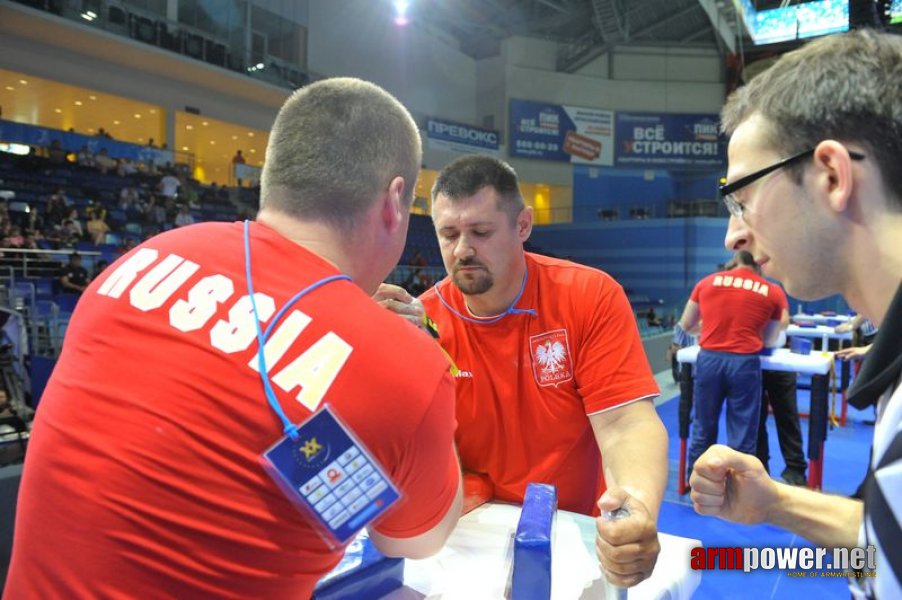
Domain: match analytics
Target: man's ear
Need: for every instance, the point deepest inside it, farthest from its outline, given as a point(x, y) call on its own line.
point(524, 223)
point(393, 204)
point(833, 174)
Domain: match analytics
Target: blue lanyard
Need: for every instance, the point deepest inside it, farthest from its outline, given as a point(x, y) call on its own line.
point(290, 429)
point(510, 309)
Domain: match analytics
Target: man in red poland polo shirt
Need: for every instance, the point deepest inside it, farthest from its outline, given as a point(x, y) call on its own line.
point(551, 376)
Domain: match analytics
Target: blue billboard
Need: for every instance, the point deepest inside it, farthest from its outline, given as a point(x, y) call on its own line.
point(668, 141)
point(33, 135)
point(562, 133)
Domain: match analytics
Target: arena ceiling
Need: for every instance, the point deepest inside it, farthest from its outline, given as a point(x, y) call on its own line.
point(585, 29)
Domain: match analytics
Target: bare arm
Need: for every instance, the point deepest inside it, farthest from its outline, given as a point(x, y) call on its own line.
point(633, 444)
point(735, 487)
point(690, 320)
point(426, 544)
point(771, 333)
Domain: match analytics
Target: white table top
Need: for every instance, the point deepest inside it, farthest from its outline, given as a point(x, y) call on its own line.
point(817, 332)
point(816, 363)
point(819, 319)
point(476, 562)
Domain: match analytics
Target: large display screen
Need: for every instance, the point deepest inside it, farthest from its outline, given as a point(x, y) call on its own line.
point(895, 12)
point(797, 21)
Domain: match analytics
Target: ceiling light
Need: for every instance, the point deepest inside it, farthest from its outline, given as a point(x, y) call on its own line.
point(189, 127)
point(204, 123)
point(212, 142)
point(57, 110)
point(115, 122)
point(137, 115)
point(92, 97)
point(184, 148)
point(253, 151)
point(78, 103)
point(140, 139)
point(10, 88)
point(23, 82)
point(250, 134)
point(234, 137)
point(153, 111)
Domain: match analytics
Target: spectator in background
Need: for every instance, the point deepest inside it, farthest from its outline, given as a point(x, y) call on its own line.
point(168, 187)
point(56, 153)
point(97, 227)
point(99, 267)
point(651, 318)
point(104, 161)
point(238, 159)
point(189, 195)
point(74, 221)
point(418, 260)
point(129, 198)
point(73, 277)
point(126, 168)
point(184, 217)
point(16, 239)
point(96, 209)
point(779, 392)
point(85, 158)
point(739, 315)
point(57, 209)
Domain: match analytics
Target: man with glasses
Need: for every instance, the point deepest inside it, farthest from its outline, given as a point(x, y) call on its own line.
point(825, 220)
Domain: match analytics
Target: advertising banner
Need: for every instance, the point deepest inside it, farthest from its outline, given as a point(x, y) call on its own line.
point(667, 141)
point(457, 137)
point(33, 135)
point(563, 133)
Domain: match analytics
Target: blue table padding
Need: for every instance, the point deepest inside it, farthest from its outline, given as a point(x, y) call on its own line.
point(363, 574)
point(532, 545)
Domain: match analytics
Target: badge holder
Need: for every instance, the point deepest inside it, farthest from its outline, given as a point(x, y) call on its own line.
point(329, 474)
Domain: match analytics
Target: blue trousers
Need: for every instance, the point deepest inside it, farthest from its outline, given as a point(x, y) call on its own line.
point(735, 378)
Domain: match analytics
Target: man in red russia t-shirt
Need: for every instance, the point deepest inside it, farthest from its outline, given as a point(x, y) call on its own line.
point(551, 374)
point(739, 314)
point(143, 477)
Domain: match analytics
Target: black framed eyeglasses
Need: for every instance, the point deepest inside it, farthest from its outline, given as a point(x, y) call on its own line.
point(728, 191)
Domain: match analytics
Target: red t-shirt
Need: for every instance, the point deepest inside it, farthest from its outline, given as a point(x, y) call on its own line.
point(735, 306)
point(527, 383)
point(142, 476)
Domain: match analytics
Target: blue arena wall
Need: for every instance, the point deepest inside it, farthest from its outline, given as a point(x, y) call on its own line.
point(661, 259)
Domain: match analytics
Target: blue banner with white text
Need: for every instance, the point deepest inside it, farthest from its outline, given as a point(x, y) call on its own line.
point(457, 137)
point(669, 141)
point(33, 135)
point(562, 133)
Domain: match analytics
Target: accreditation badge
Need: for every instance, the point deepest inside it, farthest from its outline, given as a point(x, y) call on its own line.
point(331, 476)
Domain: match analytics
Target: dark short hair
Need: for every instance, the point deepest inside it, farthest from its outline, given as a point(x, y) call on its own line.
point(467, 175)
point(844, 87)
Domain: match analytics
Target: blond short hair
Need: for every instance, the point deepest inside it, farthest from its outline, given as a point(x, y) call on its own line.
point(335, 146)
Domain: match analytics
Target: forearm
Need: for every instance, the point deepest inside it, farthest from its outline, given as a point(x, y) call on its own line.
point(825, 520)
point(635, 458)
